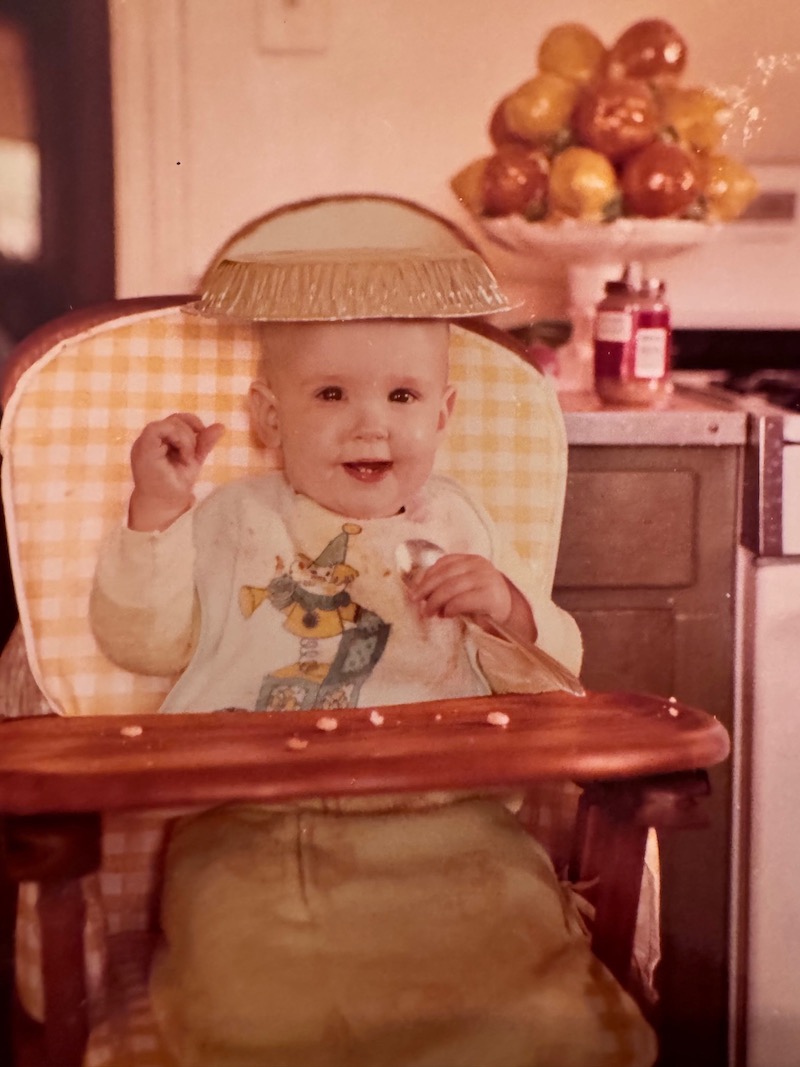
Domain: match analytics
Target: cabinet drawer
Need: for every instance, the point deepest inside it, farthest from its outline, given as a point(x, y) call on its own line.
point(629, 529)
point(635, 645)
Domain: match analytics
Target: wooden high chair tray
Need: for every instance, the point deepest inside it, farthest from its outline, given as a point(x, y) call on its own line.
point(123, 762)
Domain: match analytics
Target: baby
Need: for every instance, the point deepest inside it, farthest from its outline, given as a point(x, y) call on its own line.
point(282, 591)
point(387, 931)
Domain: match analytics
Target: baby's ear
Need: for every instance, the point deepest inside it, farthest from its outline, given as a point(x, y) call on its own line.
point(264, 414)
point(448, 403)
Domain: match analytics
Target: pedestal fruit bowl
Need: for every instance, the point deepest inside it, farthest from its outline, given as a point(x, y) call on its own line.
point(604, 159)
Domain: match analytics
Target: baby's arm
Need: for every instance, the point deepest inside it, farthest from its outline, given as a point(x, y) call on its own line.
point(143, 607)
point(460, 584)
point(165, 460)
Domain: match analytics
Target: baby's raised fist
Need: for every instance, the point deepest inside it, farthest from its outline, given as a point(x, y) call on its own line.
point(166, 459)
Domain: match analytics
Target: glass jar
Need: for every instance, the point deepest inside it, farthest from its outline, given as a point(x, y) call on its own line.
point(632, 344)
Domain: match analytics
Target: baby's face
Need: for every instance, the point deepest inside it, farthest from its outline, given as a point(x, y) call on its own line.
point(360, 409)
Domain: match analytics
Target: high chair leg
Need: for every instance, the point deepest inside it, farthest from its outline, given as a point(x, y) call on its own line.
point(7, 919)
point(56, 852)
point(610, 841)
point(62, 918)
point(612, 858)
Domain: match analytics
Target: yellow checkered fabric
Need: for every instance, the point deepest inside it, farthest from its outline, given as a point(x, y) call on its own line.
point(66, 478)
point(66, 437)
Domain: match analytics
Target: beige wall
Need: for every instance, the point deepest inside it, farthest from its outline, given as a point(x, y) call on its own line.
point(212, 130)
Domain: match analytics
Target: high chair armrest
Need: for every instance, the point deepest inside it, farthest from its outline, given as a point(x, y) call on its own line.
point(114, 763)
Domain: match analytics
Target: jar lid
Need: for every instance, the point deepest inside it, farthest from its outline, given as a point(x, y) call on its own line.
point(620, 286)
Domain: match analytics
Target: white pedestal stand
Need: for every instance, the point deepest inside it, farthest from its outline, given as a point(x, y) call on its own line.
point(592, 254)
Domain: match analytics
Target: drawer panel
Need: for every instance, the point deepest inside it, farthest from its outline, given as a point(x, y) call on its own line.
point(629, 529)
point(628, 650)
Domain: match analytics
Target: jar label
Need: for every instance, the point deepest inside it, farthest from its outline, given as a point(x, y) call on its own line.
point(650, 356)
point(613, 326)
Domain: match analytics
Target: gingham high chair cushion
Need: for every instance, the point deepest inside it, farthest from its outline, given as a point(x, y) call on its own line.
point(66, 438)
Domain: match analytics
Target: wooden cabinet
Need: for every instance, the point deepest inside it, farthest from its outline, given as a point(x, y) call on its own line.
point(647, 567)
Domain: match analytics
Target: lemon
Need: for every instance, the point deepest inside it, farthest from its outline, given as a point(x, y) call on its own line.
point(727, 185)
point(698, 116)
point(572, 51)
point(468, 185)
point(540, 108)
point(499, 133)
point(583, 184)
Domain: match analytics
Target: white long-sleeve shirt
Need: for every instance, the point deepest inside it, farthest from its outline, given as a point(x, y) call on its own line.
point(260, 598)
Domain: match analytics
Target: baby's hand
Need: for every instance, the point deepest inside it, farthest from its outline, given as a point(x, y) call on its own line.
point(463, 585)
point(166, 459)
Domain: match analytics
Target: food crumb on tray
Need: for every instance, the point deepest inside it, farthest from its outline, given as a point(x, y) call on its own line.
point(327, 723)
point(498, 718)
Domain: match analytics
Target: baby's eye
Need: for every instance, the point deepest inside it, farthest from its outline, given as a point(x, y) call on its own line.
point(330, 392)
point(403, 396)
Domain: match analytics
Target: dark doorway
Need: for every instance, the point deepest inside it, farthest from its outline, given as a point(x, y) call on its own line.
point(57, 118)
point(68, 53)
point(66, 111)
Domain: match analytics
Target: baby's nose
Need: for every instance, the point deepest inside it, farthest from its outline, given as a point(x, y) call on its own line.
point(370, 422)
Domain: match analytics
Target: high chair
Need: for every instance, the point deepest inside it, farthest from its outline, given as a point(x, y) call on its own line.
point(85, 792)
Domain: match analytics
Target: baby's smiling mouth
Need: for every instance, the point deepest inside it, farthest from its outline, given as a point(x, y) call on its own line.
point(368, 470)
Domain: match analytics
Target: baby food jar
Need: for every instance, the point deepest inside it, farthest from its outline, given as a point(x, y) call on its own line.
point(632, 344)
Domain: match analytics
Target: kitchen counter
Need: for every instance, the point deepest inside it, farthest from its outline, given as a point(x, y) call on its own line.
point(686, 420)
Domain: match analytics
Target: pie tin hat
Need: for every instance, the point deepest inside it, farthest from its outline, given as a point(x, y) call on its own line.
point(345, 258)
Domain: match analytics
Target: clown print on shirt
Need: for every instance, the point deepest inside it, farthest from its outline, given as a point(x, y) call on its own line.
point(339, 642)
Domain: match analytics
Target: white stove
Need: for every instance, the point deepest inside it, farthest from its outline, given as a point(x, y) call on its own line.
point(771, 490)
point(765, 868)
point(761, 392)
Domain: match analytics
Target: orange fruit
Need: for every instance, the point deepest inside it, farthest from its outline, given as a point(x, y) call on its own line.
point(515, 182)
point(583, 184)
point(651, 49)
point(659, 180)
point(468, 185)
point(499, 132)
point(697, 116)
point(728, 186)
point(540, 108)
point(572, 51)
point(616, 116)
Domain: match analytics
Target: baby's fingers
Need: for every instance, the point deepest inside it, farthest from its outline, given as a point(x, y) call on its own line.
point(462, 585)
point(190, 437)
point(446, 573)
point(207, 439)
point(451, 599)
point(180, 436)
point(157, 438)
